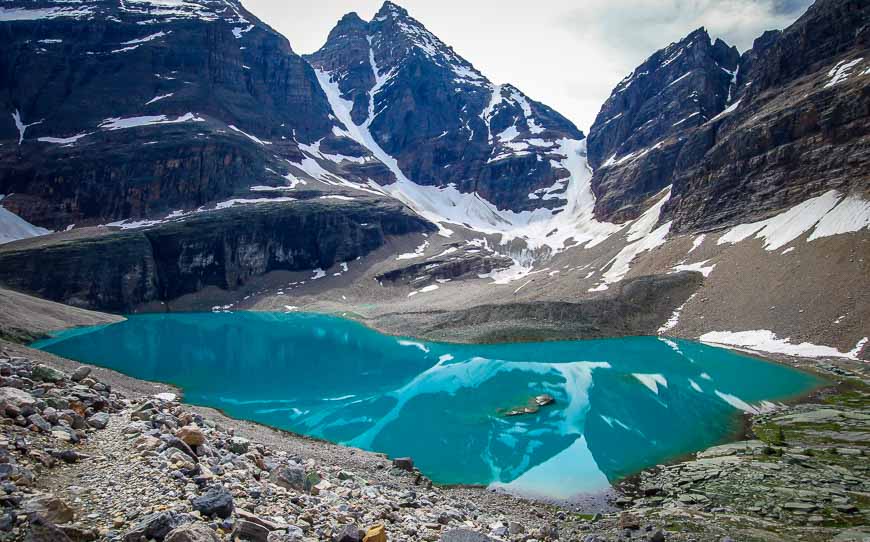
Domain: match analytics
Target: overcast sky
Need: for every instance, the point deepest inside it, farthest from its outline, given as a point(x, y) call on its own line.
point(567, 54)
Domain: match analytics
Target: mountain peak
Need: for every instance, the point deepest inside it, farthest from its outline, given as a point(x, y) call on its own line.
point(351, 21)
point(390, 9)
point(351, 18)
point(700, 31)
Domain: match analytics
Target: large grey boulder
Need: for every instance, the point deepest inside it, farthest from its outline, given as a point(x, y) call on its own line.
point(290, 476)
point(192, 532)
point(19, 399)
point(81, 373)
point(156, 526)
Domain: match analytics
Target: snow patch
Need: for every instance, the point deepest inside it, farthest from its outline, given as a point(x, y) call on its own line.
point(727, 111)
point(675, 317)
point(21, 126)
point(767, 341)
point(238, 31)
point(255, 139)
point(63, 140)
point(13, 227)
point(850, 215)
point(418, 252)
point(828, 214)
point(447, 205)
point(613, 161)
point(146, 39)
point(23, 14)
point(119, 123)
point(160, 97)
point(841, 71)
point(641, 237)
point(737, 402)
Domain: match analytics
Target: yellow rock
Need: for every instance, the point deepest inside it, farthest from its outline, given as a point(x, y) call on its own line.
point(376, 533)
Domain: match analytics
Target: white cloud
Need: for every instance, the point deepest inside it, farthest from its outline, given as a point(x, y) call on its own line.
point(566, 54)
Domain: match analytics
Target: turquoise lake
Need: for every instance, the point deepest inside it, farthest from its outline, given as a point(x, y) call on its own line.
point(620, 404)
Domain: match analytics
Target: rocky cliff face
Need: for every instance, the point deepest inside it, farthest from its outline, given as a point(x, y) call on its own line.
point(442, 121)
point(740, 138)
point(111, 110)
point(118, 271)
point(637, 136)
point(798, 126)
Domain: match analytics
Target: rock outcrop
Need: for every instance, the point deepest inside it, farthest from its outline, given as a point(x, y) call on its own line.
point(119, 270)
point(637, 136)
point(113, 111)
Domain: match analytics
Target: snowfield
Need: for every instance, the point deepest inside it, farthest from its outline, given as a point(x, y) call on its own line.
point(13, 227)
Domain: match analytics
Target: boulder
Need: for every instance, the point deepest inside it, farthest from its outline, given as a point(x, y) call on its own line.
point(156, 526)
point(49, 507)
point(39, 422)
point(46, 374)
point(349, 533)
point(238, 445)
point(68, 456)
point(253, 518)
point(248, 530)
point(192, 532)
point(42, 530)
point(175, 442)
point(289, 477)
point(99, 420)
point(544, 399)
point(291, 534)
point(217, 501)
point(80, 533)
point(376, 533)
point(20, 399)
point(81, 373)
point(404, 463)
point(191, 435)
point(178, 459)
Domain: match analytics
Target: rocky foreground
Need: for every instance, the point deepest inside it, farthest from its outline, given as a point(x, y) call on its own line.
point(81, 461)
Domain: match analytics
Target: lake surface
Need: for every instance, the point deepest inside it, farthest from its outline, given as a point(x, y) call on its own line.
point(620, 404)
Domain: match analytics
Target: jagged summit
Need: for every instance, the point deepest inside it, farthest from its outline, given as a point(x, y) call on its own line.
point(440, 118)
point(636, 138)
point(390, 9)
point(348, 20)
